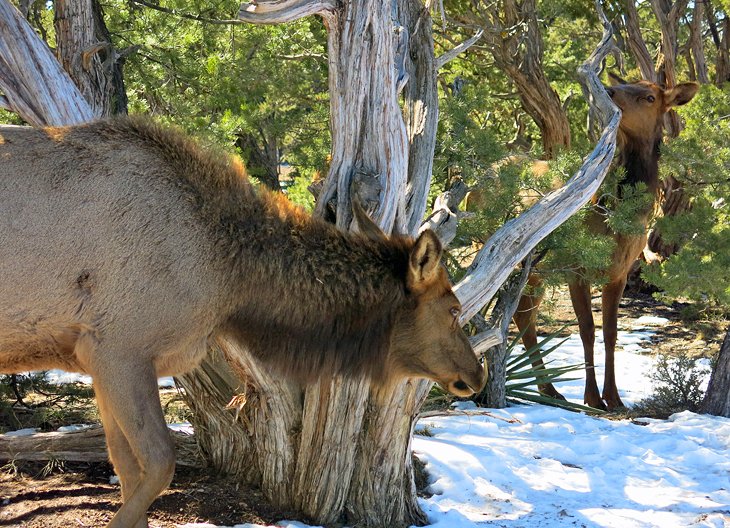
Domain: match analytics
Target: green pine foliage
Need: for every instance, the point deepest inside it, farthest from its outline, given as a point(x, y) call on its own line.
point(700, 159)
point(225, 82)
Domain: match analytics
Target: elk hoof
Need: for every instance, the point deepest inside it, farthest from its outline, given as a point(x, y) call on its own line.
point(614, 403)
point(551, 392)
point(595, 401)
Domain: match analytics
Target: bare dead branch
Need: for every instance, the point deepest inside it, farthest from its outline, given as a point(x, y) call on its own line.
point(444, 218)
point(476, 412)
point(282, 11)
point(85, 445)
point(456, 50)
point(483, 341)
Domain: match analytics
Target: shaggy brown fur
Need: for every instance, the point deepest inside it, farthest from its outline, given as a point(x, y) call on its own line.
point(126, 247)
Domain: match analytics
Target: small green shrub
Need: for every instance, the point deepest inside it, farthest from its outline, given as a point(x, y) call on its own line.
point(677, 387)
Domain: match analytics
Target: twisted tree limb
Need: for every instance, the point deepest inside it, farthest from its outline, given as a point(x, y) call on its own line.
point(283, 10)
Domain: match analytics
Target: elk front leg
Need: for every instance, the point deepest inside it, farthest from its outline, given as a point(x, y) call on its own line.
point(580, 296)
point(610, 300)
point(120, 454)
point(140, 444)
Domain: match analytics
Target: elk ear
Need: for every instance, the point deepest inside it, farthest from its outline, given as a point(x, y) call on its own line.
point(424, 261)
point(680, 94)
point(615, 80)
point(365, 224)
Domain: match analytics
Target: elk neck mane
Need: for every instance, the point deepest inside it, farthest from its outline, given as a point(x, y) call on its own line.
point(640, 160)
point(304, 297)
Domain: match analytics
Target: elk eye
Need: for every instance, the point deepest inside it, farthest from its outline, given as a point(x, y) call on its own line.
point(455, 311)
point(650, 98)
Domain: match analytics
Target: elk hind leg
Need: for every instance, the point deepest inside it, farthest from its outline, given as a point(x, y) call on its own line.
point(140, 444)
point(526, 320)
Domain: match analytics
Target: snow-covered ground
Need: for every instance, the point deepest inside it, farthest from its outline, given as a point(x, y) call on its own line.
point(539, 467)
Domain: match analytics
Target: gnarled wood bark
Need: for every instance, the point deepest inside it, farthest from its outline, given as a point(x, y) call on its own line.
point(512, 34)
point(637, 45)
point(717, 397)
point(696, 43)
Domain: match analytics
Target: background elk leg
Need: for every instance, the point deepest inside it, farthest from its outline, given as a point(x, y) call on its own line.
point(526, 320)
point(580, 295)
point(129, 394)
point(610, 299)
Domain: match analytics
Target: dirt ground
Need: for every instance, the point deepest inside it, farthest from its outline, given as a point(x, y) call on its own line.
point(78, 495)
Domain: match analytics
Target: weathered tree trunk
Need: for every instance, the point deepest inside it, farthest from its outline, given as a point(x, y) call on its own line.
point(717, 398)
point(668, 14)
point(696, 44)
point(512, 34)
point(84, 48)
point(637, 45)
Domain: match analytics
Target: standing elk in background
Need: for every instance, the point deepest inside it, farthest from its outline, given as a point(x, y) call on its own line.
point(126, 249)
point(643, 105)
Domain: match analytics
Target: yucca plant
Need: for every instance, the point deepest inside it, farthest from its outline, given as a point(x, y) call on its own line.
point(523, 378)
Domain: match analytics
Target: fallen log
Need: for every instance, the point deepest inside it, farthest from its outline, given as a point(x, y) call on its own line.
point(85, 445)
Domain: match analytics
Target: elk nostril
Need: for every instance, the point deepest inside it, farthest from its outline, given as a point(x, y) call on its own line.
point(460, 385)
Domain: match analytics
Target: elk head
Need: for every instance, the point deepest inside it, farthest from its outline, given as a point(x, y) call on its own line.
point(427, 340)
point(643, 105)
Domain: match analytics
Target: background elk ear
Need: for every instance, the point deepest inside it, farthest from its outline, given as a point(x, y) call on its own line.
point(365, 224)
point(425, 260)
point(615, 80)
point(681, 94)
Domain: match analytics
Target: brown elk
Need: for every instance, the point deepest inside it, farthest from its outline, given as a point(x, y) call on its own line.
point(643, 105)
point(126, 248)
